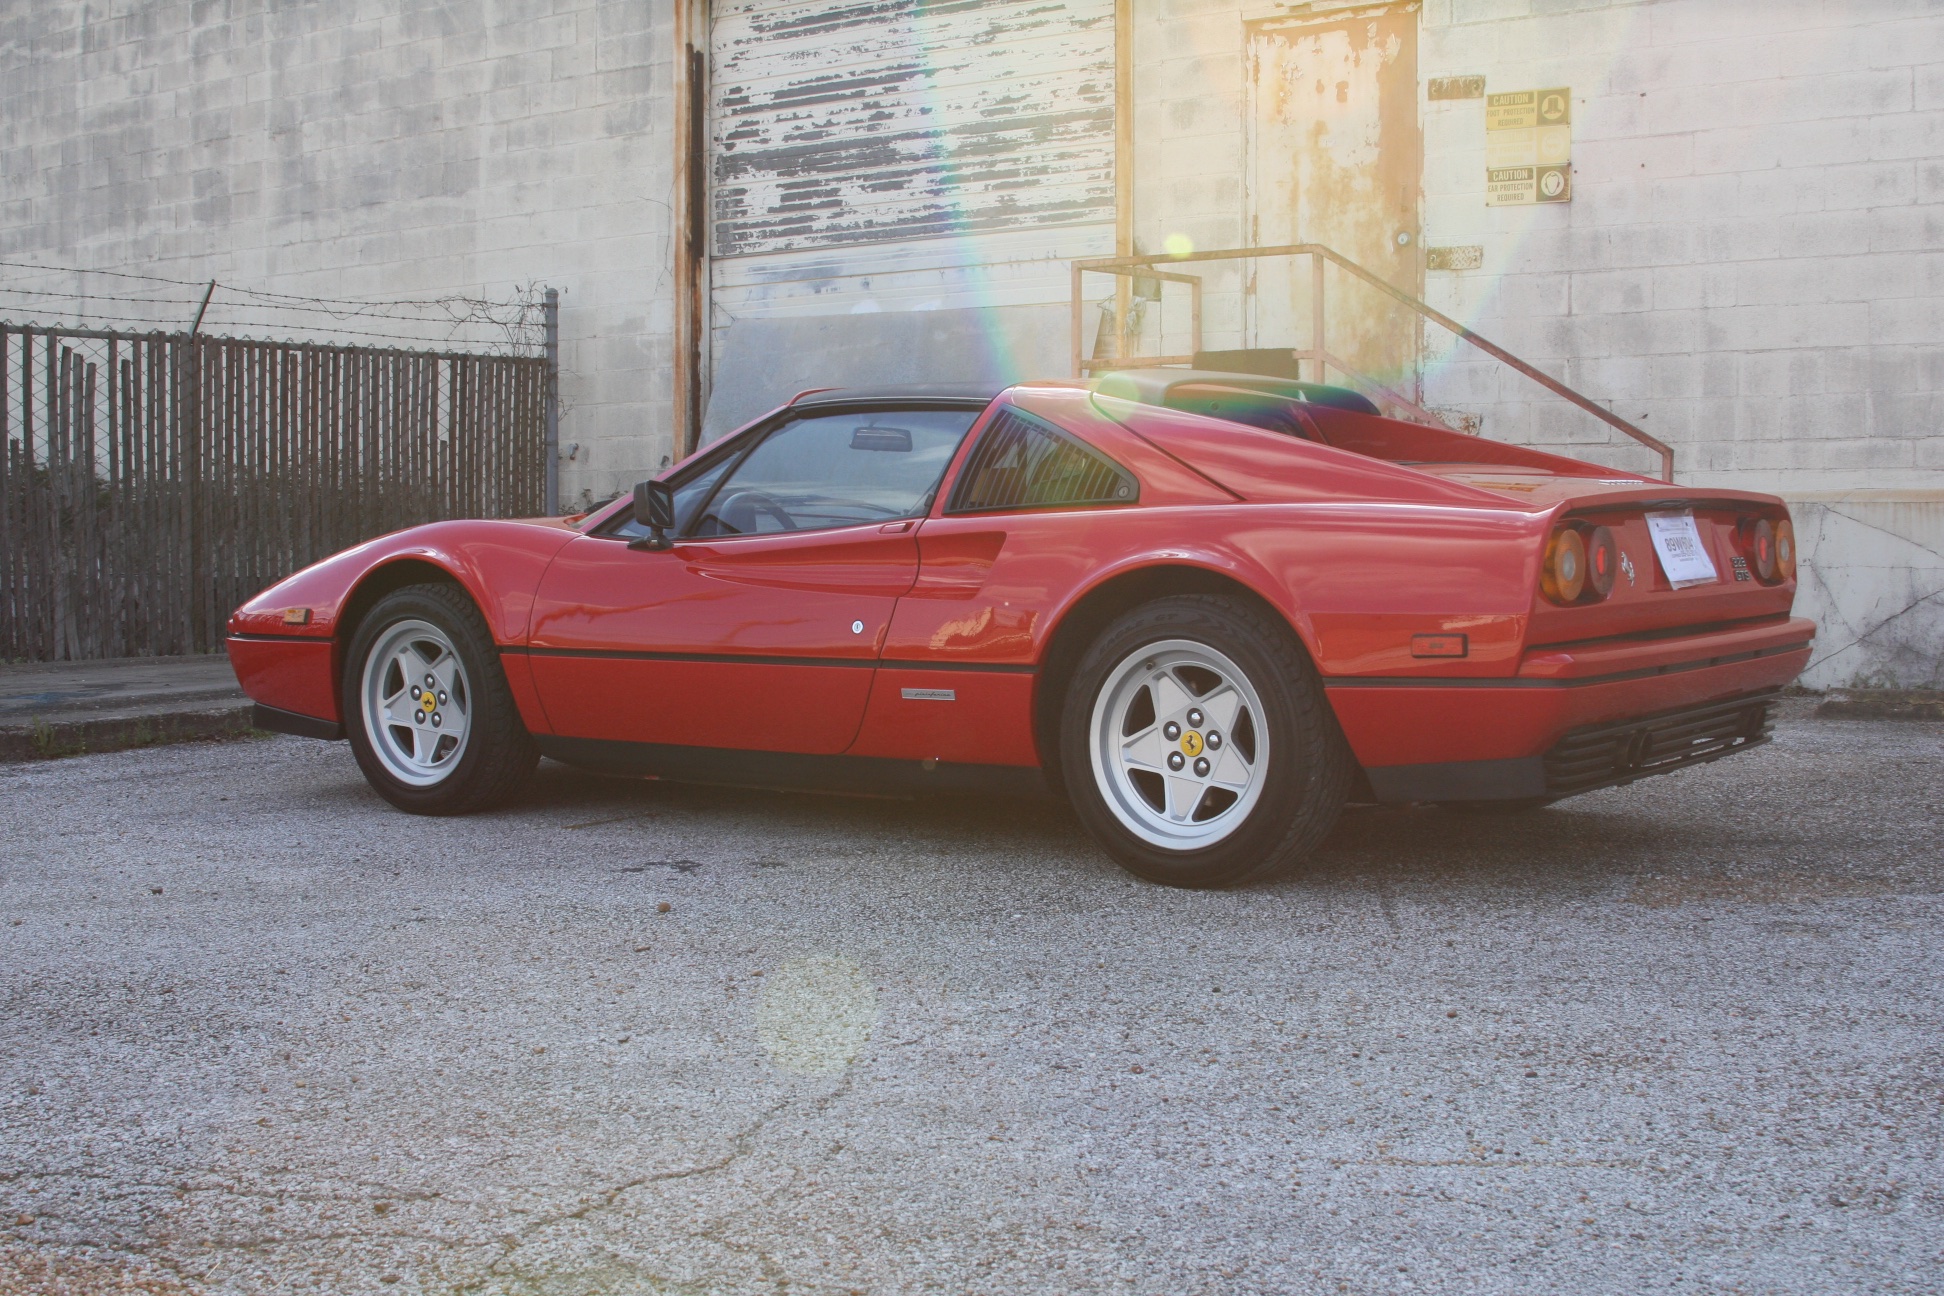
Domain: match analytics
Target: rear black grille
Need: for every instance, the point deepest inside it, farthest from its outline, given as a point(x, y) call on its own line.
point(1611, 754)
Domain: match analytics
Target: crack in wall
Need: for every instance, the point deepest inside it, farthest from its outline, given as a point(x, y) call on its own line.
point(1855, 637)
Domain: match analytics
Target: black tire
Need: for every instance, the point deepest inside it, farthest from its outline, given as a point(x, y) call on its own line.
point(499, 755)
point(1306, 776)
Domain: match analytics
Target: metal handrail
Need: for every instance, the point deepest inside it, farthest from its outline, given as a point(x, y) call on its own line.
point(1318, 353)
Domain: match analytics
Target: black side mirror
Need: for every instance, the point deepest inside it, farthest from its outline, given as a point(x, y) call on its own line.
point(654, 508)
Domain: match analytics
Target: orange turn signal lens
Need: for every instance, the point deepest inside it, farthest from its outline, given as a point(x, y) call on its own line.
point(1564, 576)
point(1785, 550)
point(296, 616)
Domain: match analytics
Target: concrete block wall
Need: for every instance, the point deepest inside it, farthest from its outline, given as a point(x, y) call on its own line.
point(365, 149)
point(1751, 267)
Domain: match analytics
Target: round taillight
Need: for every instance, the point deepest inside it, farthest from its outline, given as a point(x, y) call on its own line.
point(1602, 562)
point(1761, 551)
point(1785, 550)
point(1564, 577)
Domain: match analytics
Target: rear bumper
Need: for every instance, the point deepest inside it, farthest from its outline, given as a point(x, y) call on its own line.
point(1546, 731)
point(1598, 756)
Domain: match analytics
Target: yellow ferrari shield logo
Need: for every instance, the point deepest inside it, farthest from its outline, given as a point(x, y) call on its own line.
point(1191, 742)
point(428, 702)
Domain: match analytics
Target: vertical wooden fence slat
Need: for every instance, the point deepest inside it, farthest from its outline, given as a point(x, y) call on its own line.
point(10, 537)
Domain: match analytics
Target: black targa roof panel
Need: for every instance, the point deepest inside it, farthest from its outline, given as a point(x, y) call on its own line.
point(1152, 386)
point(956, 393)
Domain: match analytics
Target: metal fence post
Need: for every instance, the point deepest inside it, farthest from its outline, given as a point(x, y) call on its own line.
point(552, 315)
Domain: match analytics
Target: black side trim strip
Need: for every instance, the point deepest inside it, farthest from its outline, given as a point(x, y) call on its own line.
point(745, 659)
point(732, 659)
point(290, 722)
point(1424, 681)
point(871, 775)
point(975, 668)
point(263, 638)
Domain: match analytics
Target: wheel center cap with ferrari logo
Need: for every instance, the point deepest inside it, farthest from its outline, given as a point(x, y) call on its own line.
point(1191, 743)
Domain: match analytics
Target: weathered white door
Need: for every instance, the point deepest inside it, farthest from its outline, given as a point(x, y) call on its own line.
point(1335, 155)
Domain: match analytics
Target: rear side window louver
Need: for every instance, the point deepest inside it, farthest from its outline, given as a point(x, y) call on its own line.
point(1022, 462)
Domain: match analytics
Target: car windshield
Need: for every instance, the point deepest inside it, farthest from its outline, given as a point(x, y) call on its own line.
point(836, 470)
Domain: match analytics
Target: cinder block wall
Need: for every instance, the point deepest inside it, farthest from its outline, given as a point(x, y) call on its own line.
point(1751, 266)
point(376, 149)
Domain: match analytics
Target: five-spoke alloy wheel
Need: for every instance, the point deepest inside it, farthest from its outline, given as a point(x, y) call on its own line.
point(431, 720)
point(1197, 746)
point(417, 702)
point(1177, 744)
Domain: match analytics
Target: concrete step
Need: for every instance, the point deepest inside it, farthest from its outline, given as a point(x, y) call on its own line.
point(50, 709)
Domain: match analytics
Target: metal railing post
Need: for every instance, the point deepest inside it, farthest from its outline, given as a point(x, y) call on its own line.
point(1318, 351)
point(551, 315)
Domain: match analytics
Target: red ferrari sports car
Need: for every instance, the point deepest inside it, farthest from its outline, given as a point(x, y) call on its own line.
point(1209, 608)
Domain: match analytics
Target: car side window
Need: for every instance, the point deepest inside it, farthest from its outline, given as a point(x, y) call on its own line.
point(1022, 462)
point(833, 470)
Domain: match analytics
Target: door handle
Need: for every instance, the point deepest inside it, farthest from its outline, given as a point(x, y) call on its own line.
point(894, 528)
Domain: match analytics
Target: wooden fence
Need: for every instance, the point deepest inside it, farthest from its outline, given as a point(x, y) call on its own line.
point(152, 482)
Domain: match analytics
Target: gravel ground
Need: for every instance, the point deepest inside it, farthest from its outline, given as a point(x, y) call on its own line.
point(263, 1034)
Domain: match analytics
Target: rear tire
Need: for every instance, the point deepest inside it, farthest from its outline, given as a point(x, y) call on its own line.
point(1197, 746)
point(427, 708)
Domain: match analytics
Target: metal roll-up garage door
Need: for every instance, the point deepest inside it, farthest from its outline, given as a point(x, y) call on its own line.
point(896, 186)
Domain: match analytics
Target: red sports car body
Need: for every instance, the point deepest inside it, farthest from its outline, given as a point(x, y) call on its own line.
point(1399, 613)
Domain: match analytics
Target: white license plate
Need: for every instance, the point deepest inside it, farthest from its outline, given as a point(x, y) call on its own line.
point(1677, 542)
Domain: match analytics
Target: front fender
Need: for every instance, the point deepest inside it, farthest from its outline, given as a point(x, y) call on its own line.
point(499, 563)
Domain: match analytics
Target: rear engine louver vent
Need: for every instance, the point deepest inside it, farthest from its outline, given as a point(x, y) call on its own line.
point(1612, 754)
point(1022, 462)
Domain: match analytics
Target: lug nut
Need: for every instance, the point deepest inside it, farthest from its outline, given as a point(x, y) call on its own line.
point(418, 717)
point(417, 692)
point(1201, 762)
point(1176, 760)
point(430, 682)
point(1194, 717)
point(1213, 739)
point(442, 697)
point(436, 722)
point(1171, 731)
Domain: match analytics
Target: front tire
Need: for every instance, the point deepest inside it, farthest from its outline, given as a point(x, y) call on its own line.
point(1197, 745)
point(427, 708)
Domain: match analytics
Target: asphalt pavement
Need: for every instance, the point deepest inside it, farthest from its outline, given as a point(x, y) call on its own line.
point(263, 1034)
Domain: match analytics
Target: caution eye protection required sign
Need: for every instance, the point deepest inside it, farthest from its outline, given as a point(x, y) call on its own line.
point(1517, 186)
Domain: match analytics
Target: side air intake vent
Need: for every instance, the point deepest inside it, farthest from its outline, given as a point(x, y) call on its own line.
point(1022, 462)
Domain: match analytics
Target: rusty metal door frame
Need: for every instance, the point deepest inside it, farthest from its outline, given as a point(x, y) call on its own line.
point(1253, 181)
point(689, 212)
